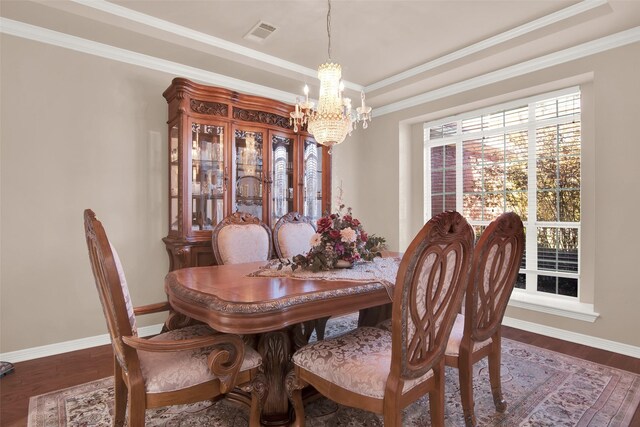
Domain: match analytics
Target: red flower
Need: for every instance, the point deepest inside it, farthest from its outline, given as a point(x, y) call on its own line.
point(348, 218)
point(324, 224)
point(363, 236)
point(355, 222)
point(353, 258)
point(334, 234)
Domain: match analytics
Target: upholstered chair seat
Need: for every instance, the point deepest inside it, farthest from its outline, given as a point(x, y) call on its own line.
point(385, 324)
point(176, 367)
point(384, 371)
point(477, 333)
point(358, 361)
point(241, 238)
point(171, 371)
point(292, 236)
point(457, 333)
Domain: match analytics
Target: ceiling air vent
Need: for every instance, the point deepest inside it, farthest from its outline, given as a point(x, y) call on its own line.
point(260, 32)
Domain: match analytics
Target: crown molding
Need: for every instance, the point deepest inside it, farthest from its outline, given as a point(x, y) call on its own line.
point(570, 54)
point(179, 30)
point(82, 343)
point(32, 32)
point(529, 27)
point(20, 29)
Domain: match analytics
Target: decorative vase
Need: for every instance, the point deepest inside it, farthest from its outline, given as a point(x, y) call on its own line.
point(341, 263)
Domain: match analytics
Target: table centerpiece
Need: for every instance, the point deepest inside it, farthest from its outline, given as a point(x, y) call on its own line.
point(339, 242)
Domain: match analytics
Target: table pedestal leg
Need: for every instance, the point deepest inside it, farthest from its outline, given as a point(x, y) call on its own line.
point(177, 320)
point(374, 315)
point(276, 350)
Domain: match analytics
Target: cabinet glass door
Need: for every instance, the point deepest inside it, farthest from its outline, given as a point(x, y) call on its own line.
point(249, 174)
point(174, 170)
point(207, 175)
point(312, 179)
point(281, 178)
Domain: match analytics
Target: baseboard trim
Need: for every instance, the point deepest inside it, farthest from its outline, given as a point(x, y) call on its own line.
point(574, 337)
point(67, 346)
point(82, 343)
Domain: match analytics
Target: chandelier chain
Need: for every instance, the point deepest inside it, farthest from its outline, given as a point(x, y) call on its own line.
point(329, 29)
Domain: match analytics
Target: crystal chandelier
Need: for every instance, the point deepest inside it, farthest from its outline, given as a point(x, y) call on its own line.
point(333, 119)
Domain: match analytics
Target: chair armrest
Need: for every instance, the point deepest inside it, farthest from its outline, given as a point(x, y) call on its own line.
point(224, 361)
point(170, 345)
point(152, 308)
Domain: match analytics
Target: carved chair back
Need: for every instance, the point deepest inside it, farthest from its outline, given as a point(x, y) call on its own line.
point(292, 235)
point(241, 237)
point(181, 366)
point(112, 289)
point(428, 294)
point(495, 265)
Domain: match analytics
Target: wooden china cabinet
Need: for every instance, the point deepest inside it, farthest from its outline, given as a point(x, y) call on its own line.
point(233, 152)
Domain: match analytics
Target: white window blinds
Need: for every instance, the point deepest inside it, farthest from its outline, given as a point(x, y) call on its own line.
point(522, 157)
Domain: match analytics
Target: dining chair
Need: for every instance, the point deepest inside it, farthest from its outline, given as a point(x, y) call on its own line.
point(381, 371)
point(177, 367)
point(239, 238)
point(476, 333)
point(292, 235)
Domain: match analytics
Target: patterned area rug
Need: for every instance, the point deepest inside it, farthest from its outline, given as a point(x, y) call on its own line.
point(542, 388)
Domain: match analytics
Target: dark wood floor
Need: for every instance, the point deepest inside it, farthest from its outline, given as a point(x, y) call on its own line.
point(47, 374)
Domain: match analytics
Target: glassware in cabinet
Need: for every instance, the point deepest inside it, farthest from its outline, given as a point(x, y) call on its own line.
point(223, 157)
point(249, 174)
point(207, 175)
point(312, 162)
point(174, 181)
point(281, 176)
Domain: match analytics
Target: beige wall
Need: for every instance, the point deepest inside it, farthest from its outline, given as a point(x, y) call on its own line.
point(78, 131)
point(611, 200)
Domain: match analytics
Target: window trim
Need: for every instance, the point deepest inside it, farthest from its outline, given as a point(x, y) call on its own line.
point(528, 298)
point(558, 305)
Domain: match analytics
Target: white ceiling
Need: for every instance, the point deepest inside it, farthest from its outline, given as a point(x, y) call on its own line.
point(394, 49)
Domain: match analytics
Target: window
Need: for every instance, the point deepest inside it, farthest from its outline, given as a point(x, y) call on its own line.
point(522, 157)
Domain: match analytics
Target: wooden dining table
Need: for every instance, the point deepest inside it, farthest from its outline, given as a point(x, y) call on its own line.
point(278, 310)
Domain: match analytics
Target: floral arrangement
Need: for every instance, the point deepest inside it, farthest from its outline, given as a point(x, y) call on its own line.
point(339, 241)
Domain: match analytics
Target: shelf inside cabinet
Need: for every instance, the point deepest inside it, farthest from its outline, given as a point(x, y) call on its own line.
point(207, 196)
point(249, 198)
point(206, 162)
